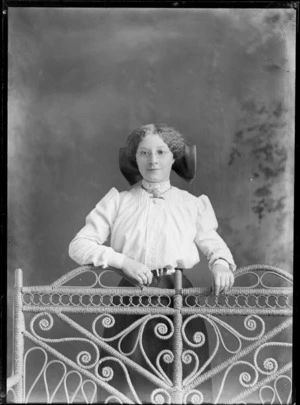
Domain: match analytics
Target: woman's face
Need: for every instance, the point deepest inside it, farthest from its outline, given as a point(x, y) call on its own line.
point(154, 159)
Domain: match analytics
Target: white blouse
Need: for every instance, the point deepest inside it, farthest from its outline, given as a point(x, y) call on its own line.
point(157, 232)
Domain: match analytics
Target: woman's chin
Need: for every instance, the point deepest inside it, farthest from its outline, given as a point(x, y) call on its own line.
point(154, 178)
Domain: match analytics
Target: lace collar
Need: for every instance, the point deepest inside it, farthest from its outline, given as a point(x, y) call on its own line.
point(156, 189)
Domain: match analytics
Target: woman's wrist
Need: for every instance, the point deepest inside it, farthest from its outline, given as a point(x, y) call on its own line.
point(223, 262)
point(116, 260)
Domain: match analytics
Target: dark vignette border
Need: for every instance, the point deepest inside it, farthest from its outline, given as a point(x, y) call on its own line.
point(6, 4)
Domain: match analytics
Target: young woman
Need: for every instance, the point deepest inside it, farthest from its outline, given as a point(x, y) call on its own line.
point(154, 227)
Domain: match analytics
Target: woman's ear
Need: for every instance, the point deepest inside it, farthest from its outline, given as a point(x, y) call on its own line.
point(128, 169)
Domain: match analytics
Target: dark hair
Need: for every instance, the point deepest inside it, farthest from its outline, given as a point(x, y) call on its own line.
point(169, 135)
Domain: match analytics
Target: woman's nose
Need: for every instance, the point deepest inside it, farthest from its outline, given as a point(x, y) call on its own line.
point(153, 158)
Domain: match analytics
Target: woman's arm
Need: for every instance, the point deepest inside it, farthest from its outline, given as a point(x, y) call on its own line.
point(220, 260)
point(87, 246)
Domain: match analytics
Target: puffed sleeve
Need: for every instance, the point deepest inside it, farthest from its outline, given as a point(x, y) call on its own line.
point(86, 247)
point(207, 239)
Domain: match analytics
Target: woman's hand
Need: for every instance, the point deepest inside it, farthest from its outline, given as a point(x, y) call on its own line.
point(223, 278)
point(137, 271)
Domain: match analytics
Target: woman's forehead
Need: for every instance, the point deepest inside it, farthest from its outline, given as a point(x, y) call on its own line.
point(152, 141)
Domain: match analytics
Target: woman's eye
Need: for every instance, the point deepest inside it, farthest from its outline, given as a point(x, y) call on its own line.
point(161, 152)
point(143, 153)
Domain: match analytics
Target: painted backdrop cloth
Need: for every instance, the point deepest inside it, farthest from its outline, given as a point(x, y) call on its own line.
point(223, 77)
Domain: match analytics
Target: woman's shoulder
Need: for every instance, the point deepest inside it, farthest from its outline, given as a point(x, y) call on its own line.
point(119, 194)
point(110, 196)
point(202, 201)
point(112, 200)
point(186, 195)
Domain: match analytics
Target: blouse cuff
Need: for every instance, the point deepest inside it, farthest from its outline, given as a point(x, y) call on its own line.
point(214, 259)
point(223, 262)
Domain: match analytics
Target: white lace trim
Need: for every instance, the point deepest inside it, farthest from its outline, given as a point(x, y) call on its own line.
point(156, 188)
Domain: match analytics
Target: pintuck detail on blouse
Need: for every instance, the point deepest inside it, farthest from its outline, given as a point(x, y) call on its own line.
point(159, 232)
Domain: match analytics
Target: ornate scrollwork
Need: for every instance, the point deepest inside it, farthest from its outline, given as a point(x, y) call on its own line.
point(77, 389)
point(198, 337)
point(114, 399)
point(82, 272)
point(266, 270)
point(11, 391)
point(46, 324)
point(161, 396)
point(245, 378)
point(270, 364)
point(168, 358)
point(108, 374)
point(63, 375)
point(250, 337)
point(161, 330)
point(187, 358)
point(194, 396)
point(86, 392)
point(250, 323)
point(88, 299)
point(276, 396)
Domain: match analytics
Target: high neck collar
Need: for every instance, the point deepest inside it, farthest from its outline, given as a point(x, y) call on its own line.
point(156, 188)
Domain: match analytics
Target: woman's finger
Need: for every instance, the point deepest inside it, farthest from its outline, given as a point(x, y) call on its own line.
point(149, 277)
point(220, 283)
point(224, 282)
point(222, 286)
point(139, 279)
point(231, 280)
point(217, 284)
point(227, 285)
point(144, 277)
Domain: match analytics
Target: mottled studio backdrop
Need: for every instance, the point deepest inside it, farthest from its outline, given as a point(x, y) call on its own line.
point(80, 80)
